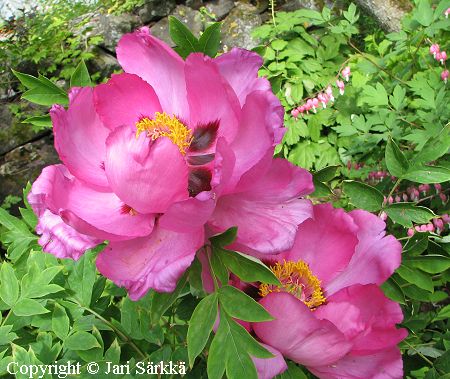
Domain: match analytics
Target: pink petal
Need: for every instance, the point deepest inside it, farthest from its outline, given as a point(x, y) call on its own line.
point(89, 211)
point(270, 367)
point(386, 364)
point(297, 334)
point(326, 242)
point(240, 68)
point(124, 100)
point(144, 55)
point(268, 214)
point(377, 318)
point(376, 255)
point(156, 261)
point(80, 137)
point(261, 117)
point(148, 176)
point(210, 97)
point(60, 239)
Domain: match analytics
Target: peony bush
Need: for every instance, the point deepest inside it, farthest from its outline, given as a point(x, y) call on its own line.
point(180, 228)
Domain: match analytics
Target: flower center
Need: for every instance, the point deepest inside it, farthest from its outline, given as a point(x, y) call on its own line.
point(163, 125)
point(297, 279)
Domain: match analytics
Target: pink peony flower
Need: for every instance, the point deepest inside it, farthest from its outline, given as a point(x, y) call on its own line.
point(161, 153)
point(340, 323)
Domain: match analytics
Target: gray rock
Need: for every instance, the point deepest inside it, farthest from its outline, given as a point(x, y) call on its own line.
point(238, 25)
point(190, 17)
point(219, 8)
point(155, 9)
point(24, 164)
point(317, 5)
point(103, 63)
point(12, 132)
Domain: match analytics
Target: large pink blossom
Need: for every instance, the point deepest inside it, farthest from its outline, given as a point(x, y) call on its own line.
point(163, 155)
point(330, 314)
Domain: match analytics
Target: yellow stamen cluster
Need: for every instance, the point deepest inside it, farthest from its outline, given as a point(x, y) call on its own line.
point(163, 125)
point(297, 279)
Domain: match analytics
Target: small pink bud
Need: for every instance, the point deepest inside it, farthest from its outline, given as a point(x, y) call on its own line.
point(434, 49)
point(329, 92)
point(430, 227)
point(294, 113)
point(383, 216)
point(423, 228)
point(438, 187)
point(390, 199)
point(340, 84)
point(443, 197)
point(346, 73)
point(443, 57)
point(398, 199)
point(405, 197)
point(410, 232)
point(438, 223)
point(444, 76)
point(447, 12)
point(446, 218)
point(417, 227)
point(315, 104)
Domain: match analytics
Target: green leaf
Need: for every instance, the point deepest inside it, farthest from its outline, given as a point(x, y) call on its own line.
point(247, 268)
point(113, 353)
point(28, 81)
point(398, 97)
point(428, 174)
point(434, 148)
point(416, 277)
point(241, 306)
point(293, 371)
point(82, 278)
point(406, 213)
point(45, 92)
point(433, 264)
point(81, 341)
point(60, 322)
point(393, 291)
point(396, 162)
point(200, 326)
point(220, 271)
point(375, 96)
point(13, 223)
point(363, 196)
point(44, 121)
point(9, 285)
point(326, 174)
point(218, 351)
point(443, 314)
point(225, 238)
point(5, 336)
point(209, 41)
point(186, 42)
point(424, 13)
point(80, 77)
point(28, 307)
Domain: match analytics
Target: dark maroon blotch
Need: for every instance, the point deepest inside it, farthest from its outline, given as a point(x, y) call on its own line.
point(199, 180)
point(198, 160)
point(204, 136)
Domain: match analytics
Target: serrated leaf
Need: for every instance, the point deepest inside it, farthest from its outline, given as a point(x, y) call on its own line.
point(209, 41)
point(28, 307)
point(375, 96)
point(363, 196)
point(247, 268)
point(241, 306)
point(398, 97)
point(80, 77)
point(81, 341)
point(200, 326)
point(82, 278)
point(396, 162)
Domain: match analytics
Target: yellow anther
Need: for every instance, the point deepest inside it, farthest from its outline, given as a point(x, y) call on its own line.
point(163, 125)
point(297, 279)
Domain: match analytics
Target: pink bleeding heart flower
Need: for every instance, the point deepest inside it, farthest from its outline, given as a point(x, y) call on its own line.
point(340, 84)
point(434, 49)
point(329, 92)
point(330, 313)
point(346, 73)
point(444, 76)
point(162, 153)
point(447, 12)
point(442, 57)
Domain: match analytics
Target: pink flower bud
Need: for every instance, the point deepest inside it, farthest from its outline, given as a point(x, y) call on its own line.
point(390, 199)
point(294, 113)
point(434, 49)
point(447, 12)
point(430, 227)
point(444, 76)
point(446, 218)
point(340, 84)
point(315, 104)
point(329, 92)
point(443, 197)
point(423, 228)
point(405, 197)
point(443, 57)
point(438, 223)
point(398, 199)
point(410, 232)
point(438, 187)
point(383, 216)
point(346, 73)
point(417, 228)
